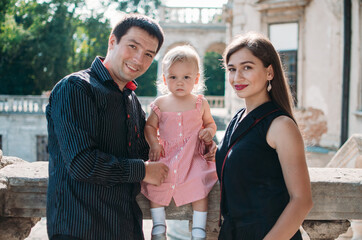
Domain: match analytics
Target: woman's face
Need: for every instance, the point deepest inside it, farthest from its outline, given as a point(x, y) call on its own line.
point(248, 76)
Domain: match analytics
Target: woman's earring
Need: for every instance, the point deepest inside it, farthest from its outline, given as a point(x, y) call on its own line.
point(269, 86)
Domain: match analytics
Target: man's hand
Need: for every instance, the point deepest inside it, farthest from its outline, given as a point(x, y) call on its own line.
point(210, 151)
point(156, 173)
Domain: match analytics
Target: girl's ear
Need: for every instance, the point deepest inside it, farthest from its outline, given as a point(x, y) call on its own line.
point(164, 79)
point(270, 73)
point(197, 78)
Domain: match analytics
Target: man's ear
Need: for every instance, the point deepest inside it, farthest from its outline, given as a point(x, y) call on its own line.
point(112, 41)
point(270, 72)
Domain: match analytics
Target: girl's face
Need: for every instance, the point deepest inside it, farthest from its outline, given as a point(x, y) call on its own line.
point(248, 76)
point(181, 78)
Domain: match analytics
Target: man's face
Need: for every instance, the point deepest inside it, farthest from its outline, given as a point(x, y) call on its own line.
point(131, 57)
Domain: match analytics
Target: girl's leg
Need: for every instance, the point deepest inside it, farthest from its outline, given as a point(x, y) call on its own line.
point(158, 218)
point(199, 218)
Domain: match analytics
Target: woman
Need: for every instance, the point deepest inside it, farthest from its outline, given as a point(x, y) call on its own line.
point(265, 186)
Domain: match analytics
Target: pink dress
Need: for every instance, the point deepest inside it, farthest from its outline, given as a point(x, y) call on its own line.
point(190, 177)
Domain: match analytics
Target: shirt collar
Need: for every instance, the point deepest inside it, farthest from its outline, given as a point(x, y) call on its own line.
point(103, 74)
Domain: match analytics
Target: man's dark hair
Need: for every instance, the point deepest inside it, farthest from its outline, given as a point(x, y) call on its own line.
point(141, 21)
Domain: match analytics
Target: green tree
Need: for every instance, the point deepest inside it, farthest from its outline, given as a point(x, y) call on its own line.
point(148, 7)
point(36, 41)
point(147, 82)
point(90, 40)
point(214, 74)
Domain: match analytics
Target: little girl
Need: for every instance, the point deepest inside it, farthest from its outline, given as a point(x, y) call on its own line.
point(185, 126)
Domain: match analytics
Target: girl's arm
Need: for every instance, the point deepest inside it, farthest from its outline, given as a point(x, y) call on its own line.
point(208, 132)
point(285, 137)
point(151, 127)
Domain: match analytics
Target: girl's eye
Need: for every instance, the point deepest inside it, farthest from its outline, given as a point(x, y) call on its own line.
point(187, 77)
point(231, 69)
point(172, 77)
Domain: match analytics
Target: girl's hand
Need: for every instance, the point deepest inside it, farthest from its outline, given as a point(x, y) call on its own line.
point(156, 151)
point(206, 135)
point(210, 151)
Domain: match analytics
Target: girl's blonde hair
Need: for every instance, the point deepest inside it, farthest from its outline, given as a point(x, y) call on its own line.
point(184, 53)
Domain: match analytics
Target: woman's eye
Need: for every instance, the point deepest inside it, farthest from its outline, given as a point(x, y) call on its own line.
point(231, 69)
point(132, 46)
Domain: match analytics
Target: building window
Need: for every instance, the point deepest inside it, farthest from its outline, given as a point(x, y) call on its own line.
point(284, 37)
point(42, 153)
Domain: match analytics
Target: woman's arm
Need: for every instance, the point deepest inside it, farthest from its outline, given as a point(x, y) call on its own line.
point(285, 137)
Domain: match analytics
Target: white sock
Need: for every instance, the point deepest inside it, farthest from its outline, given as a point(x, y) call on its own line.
point(199, 221)
point(158, 217)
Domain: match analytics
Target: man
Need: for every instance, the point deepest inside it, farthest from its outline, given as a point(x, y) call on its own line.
point(96, 140)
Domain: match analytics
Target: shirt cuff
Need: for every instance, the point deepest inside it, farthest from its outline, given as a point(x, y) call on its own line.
point(136, 170)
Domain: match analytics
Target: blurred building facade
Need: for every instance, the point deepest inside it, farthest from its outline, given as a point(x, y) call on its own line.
point(320, 43)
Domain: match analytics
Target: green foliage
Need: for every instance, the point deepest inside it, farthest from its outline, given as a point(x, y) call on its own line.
point(214, 74)
point(43, 41)
point(147, 82)
point(148, 7)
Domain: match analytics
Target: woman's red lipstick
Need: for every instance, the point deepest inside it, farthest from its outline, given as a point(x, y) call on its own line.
point(240, 86)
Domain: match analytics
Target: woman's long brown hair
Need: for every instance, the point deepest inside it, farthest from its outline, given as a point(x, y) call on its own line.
point(262, 48)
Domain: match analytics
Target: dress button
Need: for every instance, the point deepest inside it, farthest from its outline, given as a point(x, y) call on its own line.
point(176, 156)
point(180, 134)
point(182, 148)
point(179, 124)
point(173, 186)
point(175, 171)
point(179, 114)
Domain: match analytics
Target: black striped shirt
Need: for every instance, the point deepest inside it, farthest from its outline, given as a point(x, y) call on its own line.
point(96, 147)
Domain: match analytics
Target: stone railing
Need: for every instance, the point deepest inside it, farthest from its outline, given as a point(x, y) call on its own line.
point(190, 15)
point(10, 104)
point(23, 104)
point(337, 196)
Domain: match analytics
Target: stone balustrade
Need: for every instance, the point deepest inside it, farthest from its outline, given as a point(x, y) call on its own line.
point(190, 15)
point(10, 104)
point(23, 104)
point(337, 196)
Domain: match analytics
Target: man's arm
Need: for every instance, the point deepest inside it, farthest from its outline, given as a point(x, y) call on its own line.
point(74, 115)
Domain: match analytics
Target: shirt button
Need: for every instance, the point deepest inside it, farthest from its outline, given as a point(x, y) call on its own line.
point(176, 156)
point(175, 171)
point(179, 114)
point(179, 124)
point(173, 186)
point(180, 134)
